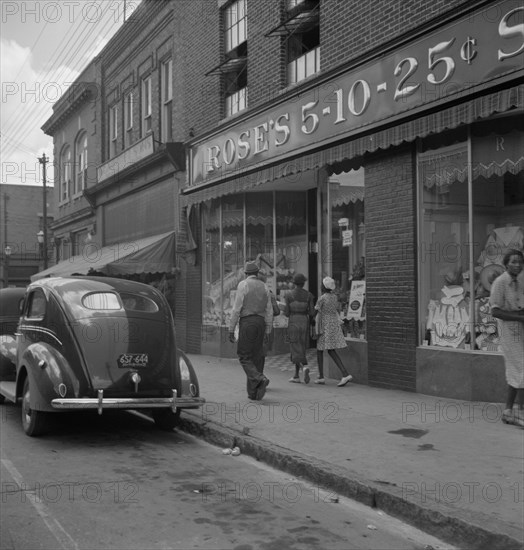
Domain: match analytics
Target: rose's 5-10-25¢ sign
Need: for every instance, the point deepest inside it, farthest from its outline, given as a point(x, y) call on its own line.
point(472, 54)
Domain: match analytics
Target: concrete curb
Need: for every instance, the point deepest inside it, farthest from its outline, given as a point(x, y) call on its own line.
point(452, 526)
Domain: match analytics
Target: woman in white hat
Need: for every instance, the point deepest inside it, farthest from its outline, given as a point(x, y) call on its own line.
point(507, 305)
point(330, 334)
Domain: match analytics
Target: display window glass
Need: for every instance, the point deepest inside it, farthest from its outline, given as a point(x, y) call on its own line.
point(212, 279)
point(343, 246)
point(291, 240)
point(471, 189)
point(266, 227)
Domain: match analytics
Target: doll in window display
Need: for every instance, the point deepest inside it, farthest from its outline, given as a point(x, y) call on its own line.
point(486, 331)
point(448, 315)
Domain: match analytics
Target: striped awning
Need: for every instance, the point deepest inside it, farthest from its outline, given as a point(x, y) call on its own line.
point(348, 154)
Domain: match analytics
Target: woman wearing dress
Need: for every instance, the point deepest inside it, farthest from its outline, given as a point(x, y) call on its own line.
point(507, 305)
point(330, 336)
point(299, 308)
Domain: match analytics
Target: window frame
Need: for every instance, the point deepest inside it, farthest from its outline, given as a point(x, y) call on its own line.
point(146, 93)
point(166, 119)
point(302, 47)
point(113, 130)
point(235, 24)
point(81, 164)
point(235, 86)
point(65, 174)
point(128, 118)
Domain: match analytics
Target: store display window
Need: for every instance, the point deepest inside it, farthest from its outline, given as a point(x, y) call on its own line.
point(471, 186)
point(343, 246)
point(266, 227)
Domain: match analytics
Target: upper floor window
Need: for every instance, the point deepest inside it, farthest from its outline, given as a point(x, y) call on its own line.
point(65, 174)
point(303, 44)
point(81, 164)
point(128, 119)
point(235, 66)
point(146, 106)
point(235, 24)
point(167, 101)
point(300, 34)
point(113, 130)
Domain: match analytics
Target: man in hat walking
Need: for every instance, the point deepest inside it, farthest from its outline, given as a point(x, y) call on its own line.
point(253, 312)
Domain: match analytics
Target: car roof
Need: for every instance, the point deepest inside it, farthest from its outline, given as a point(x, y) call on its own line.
point(83, 284)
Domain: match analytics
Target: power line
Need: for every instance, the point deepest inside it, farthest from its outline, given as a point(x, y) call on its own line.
point(79, 42)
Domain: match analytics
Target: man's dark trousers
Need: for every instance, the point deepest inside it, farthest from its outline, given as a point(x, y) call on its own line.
point(249, 350)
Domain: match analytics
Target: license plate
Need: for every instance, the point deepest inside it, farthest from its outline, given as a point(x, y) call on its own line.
point(132, 360)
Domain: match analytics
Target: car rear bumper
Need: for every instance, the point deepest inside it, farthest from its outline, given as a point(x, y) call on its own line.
point(102, 402)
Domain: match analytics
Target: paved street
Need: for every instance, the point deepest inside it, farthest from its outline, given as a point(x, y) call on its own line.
point(450, 467)
point(116, 482)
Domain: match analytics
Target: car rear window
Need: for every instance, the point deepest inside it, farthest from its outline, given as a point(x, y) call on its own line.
point(135, 302)
point(101, 300)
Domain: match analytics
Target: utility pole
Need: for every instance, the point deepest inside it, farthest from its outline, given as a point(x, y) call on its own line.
point(43, 161)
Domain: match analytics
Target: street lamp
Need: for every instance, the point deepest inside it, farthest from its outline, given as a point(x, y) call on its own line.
point(41, 238)
point(7, 252)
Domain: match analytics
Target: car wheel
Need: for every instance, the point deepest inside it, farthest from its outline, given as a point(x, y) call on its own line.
point(166, 419)
point(33, 422)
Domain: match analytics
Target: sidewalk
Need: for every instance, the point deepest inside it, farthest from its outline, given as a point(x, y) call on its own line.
point(449, 467)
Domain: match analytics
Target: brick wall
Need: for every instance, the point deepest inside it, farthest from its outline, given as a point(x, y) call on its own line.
point(391, 293)
point(137, 51)
point(201, 18)
point(350, 28)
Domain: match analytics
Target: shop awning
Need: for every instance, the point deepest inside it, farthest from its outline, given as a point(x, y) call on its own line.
point(154, 254)
point(348, 154)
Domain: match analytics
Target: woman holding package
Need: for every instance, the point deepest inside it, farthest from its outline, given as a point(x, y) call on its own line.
point(507, 305)
point(300, 309)
point(330, 337)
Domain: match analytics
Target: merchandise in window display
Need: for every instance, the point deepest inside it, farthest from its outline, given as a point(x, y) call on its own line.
point(354, 326)
point(499, 241)
point(214, 305)
point(448, 316)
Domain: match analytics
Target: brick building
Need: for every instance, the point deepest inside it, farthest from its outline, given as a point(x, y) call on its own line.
point(379, 143)
point(21, 212)
point(75, 127)
point(121, 219)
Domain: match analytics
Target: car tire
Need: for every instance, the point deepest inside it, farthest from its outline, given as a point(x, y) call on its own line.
point(34, 422)
point(166, 419)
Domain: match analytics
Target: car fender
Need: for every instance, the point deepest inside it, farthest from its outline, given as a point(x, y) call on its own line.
point(188, 377)
point(47, 369)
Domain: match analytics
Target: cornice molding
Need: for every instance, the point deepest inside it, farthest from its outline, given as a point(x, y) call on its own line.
point(75, 96)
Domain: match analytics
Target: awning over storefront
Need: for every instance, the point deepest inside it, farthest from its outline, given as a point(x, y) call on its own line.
point(348, 154)
point(154, 254)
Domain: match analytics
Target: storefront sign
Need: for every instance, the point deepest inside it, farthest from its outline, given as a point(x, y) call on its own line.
point(347, 237)
point(470, 55)
point(356, 300)
point(136, 152)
